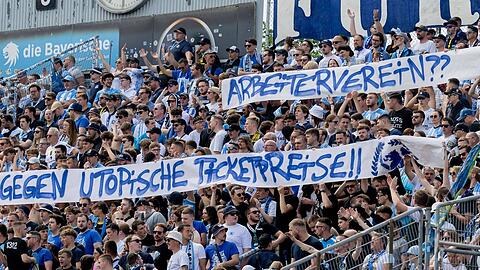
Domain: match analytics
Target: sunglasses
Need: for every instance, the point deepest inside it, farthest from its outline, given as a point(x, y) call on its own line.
point(248, 45)
point(240, 195)
point(83, 204)
point(255, 212)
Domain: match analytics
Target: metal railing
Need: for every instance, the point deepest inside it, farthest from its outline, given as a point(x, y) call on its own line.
point(399, 235)
point(456, 232)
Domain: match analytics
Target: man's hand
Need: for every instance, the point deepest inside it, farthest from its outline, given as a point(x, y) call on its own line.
point(143, 53)
point(351, 14)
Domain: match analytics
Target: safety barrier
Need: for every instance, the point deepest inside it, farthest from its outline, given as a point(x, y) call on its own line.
point(456, 232)
point(391, 239)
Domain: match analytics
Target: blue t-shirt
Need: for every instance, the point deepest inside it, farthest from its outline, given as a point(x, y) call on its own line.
point(373, 115)
point(87, 239)
point(81, 122)
point(199, 227)
point(183, 79)
point(226, 250)
point(42, 255)
point(54, 240)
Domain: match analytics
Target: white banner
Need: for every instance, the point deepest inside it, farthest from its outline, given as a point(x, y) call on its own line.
point(389, 75)
point(272, 169)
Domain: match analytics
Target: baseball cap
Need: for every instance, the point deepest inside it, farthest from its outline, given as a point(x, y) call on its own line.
point(93, 126)
point(33, 160)
point(421, 28)
point(209, 51)
point(204, 41)
point(233, 127)
point(75, 107)
point(180, 30)
point(462, 127)
point(326, 42)
point(46, 207)
point(423, 95)
point(91, 153)
point(96, 70)
point(440, 36)
point(464, 113)
point(413, 250)
point(233, 49)
point(450, 22)
point(68, 78)
point(230, 210)
point(217, 228)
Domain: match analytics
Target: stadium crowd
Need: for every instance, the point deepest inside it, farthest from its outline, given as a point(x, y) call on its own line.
point(124, 114)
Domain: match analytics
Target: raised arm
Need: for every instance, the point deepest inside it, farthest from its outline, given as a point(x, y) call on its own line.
point(433, 100)
point(428, 187)
point(105, 64)
point(351, 15)
point(143, 55)
point(165, 71)
point(399, 204)
point(446, 168)
point(471, 91)
point(123, 55)
point(376, 21)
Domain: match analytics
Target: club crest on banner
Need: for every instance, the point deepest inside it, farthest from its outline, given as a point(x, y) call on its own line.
point(389, 155)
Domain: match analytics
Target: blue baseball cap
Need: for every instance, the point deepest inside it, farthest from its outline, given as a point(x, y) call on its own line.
point(464, 113)
point(68, 78)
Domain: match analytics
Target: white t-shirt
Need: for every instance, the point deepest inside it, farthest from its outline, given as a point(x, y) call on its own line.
point(446, 265)
point(217, 143)
point(198, 253)
point(427, 47)
point(240, 236)
point(184, 137)
point(178, 260)
point(324, 62)
point(379, 262)
point(195, 136)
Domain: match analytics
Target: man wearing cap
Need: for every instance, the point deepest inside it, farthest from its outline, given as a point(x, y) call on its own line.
point(81, 121)
point(203, 45)
point(179, 260)
point(67, 96)
point(181, 48)
point(23, 213)
point(400, 42)
point(454, 34)
point(423, 45)
point(73, 71)
point(440, 43)
point(237, 233)
point(96, 84)
point(109, 114)
point(454, 104)
point(233, 60)
point(250, 58)
point(221, 253)
point(92, 160)
point(326, 47)
point(93, 135)
point(467, 116)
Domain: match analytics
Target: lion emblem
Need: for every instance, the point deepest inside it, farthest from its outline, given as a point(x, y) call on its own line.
point(11, 54)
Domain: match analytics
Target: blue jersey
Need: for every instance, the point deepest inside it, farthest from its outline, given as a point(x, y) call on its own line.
point(226, 251)
point(42, 255)
point(88, 239)
point(54, 240)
